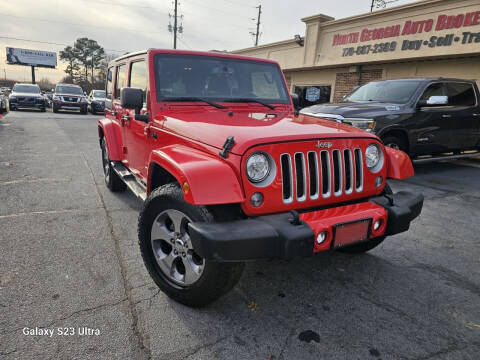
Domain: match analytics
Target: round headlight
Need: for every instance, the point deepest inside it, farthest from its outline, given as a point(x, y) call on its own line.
point(373, 157)
point(258, 167)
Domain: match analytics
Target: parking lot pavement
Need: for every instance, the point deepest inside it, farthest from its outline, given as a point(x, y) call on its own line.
point(69, 258)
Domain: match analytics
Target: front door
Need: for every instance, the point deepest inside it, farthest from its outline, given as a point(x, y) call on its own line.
point(137, 133)
point(432, 130)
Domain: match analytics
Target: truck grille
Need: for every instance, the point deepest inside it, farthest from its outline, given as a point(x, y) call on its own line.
point(321, 174)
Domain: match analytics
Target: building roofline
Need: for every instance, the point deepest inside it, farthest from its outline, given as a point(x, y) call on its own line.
point(381, 12)
point(277, 43)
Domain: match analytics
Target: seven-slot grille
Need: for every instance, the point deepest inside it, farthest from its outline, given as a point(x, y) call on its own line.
point(321, 174)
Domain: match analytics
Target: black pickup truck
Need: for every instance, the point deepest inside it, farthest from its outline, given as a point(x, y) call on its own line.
point(421, 116)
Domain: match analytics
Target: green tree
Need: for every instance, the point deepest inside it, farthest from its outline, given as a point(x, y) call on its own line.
point(69, 55)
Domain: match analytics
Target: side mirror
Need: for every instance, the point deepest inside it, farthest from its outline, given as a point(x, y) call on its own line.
point(434, 101)
point(295, 100)
point(437, 100)
point(131, 98)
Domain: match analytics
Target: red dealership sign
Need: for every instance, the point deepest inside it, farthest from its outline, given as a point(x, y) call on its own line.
point(443, 22)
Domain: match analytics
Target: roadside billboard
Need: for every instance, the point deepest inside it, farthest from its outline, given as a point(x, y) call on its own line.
point(16, 56)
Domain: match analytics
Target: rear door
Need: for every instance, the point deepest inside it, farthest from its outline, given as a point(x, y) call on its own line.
point(116, 113)
point(462, 101)
point(137, 132)
point(109, 108)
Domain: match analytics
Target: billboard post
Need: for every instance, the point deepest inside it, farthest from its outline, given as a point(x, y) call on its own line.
point(32, 58)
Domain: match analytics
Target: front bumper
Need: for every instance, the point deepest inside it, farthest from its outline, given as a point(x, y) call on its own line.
point(70, 106)
point(20, 105)
point(286, 235)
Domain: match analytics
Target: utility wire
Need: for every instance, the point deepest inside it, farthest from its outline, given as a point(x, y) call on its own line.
point(52, 43)
point(84, 24)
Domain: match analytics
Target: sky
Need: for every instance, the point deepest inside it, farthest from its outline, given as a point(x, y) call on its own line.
point(122, 26)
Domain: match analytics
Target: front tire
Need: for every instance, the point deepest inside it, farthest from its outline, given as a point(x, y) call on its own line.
point(395, 143)
point(168, 253)
point(112, 180)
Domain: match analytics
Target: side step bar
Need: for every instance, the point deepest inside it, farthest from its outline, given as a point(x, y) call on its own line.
point(130, 180)
point(445, 157)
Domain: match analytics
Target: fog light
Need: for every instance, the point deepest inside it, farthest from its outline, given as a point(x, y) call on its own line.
point(377, 225)
point(378, 181)
point(256, 199)
point(321, 237)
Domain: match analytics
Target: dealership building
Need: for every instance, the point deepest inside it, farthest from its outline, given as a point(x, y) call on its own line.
point(428, 38)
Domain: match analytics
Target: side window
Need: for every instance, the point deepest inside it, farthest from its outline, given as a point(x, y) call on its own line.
point(121, 81)
point(461, 94)
point(138, 77)
point(109, 89)
point(436, 89)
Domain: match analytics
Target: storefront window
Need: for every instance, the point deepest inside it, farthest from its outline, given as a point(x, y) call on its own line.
point(313, 94)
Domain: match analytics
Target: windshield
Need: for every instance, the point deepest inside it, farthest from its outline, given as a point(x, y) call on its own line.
point(26, 89)
point(99, 94)
point(384, 91)
point(68, 90)
point(218, 79)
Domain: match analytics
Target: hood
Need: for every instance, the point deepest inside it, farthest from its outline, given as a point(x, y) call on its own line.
point(254, 128)
point(353, 110)
point(20, 94)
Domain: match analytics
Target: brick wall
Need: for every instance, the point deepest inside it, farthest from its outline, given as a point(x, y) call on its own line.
point(345, 81)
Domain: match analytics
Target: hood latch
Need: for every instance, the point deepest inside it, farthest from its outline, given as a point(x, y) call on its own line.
point(227, 146)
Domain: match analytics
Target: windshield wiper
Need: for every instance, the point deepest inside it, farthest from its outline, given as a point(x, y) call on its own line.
point(247, 100)
point(196, 99)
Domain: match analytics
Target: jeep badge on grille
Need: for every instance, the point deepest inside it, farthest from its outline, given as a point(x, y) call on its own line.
point(323, 145)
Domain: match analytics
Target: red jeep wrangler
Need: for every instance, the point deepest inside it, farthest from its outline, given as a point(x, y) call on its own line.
point(229, 172)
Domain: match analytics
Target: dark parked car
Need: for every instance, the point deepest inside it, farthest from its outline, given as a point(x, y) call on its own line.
point(96, 101)
point(26, 96)
point(422, 116)
point(69, 97)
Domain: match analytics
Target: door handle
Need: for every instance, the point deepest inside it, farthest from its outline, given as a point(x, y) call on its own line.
point(446, 116)
point(146, 131)
point(476, 114)
point(124, 119)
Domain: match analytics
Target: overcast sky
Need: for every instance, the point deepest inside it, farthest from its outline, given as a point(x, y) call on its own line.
point(129, 25)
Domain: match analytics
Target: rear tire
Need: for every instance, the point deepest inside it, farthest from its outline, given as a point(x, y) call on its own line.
point(395, 143)
point(362, 247)
point(112, 180)
point(172, 262)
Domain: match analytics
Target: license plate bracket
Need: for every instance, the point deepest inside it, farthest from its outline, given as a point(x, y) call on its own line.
point(351, 232)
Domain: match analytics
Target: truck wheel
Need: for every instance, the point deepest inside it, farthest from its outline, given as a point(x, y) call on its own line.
point(395, 143)
point(168, 253)
point(363, 247)
point(113, 181)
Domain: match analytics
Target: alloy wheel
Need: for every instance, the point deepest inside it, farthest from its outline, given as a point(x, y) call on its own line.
point(173, 248)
